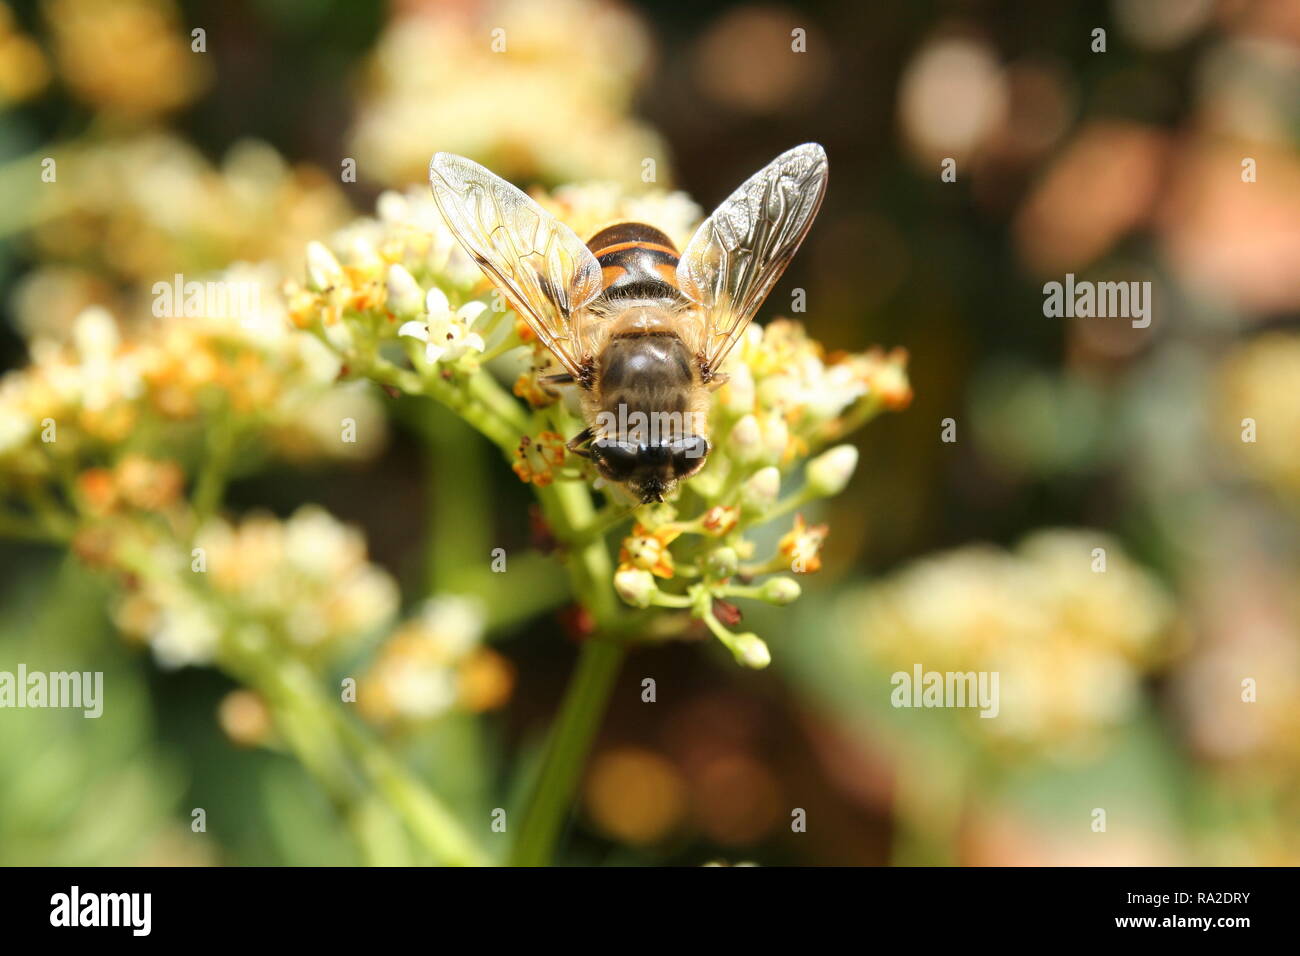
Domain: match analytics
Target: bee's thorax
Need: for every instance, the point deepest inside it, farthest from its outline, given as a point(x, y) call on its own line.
point(647, 372)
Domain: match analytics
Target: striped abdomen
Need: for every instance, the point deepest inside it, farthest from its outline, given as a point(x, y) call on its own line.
point(637, 261)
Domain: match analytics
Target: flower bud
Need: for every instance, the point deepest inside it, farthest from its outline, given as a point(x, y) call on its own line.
point(363, 254)
point(776, 437)
point(760, 491)
point(635, 586)
point(722, 562)
point(404, 294)
point(750, 651)
point(829, 473)
point(323, 270)
point(738, 394)
point(746, 440)
point(780, 591)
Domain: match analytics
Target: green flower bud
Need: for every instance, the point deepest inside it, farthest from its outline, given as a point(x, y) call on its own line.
point(759, 493)
point(635, 586)
point(750, 651)
point(723, 562)
point(829, 473)
point(780, 591)
point(746, 440)
point(776, 437)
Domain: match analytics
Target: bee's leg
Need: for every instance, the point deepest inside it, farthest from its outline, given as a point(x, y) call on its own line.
point(560, 378)
point(579, 443)
point(718, 380)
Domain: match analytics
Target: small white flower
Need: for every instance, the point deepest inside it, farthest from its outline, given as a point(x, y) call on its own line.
point(841, 386)
point(95, 333)
point(184, 635)
point(447, 335)
point(456, 621)
point(422, 692)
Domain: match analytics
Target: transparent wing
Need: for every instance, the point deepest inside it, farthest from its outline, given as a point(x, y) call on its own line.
point(540, 263)
point(738, 253)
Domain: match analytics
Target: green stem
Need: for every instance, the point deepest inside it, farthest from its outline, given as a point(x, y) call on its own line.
point(459, 494)
point(486, 389)
point(503, 431)
point(568, 506)
point(566, 751)
point(379, 833)
point(602, 521)
point(210, 488)
point(800, 499)
point(431, 822)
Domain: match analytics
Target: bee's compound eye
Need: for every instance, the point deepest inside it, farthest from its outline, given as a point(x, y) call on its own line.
point(618, 458)
point(692, 446)
point(689, 454)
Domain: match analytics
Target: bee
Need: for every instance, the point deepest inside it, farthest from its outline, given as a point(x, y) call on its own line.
point(642, 330)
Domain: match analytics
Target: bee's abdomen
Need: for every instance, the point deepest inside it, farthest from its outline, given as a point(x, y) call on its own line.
point(636, 261)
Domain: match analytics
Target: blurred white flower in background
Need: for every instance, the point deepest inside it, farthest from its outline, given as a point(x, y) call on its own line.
point(533, 91)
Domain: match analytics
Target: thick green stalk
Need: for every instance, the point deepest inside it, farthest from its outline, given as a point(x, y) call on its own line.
point(459, 495)
point(568, 506)
point(566, 752)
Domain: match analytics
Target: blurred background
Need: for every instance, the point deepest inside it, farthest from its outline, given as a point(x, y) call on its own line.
point(1121, 690)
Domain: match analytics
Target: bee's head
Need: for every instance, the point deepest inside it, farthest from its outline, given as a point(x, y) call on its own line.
point(650, 471)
